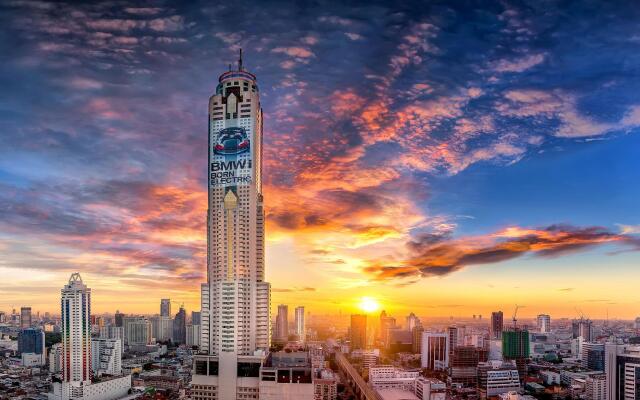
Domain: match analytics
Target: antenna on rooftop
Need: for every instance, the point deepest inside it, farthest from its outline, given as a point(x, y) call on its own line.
point(240, 61)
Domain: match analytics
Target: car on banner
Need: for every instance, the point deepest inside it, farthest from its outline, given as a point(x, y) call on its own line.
point(231, 141)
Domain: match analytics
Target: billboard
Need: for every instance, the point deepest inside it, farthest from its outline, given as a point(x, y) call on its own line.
point(231, 163)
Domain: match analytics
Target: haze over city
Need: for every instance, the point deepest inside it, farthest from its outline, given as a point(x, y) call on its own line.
point(437, 158)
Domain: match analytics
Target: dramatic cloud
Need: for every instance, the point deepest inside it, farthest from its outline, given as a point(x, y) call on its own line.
point(434, 256)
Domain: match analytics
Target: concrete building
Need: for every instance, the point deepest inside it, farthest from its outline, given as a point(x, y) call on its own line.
point(390, 377)
point(165, 308)
point(106, 356)
point(550, 377)
point(286, 376)
point(301, 329)
point(31, 347)
point(235, 300)
point(137, 331)
point(282, 324)
point(411, 322)
point(592, 356)
point(430, 389)
point(497, 324)
point(76, 351)
point(496, 377)
point(387, 322)
point(543, 322)
point(596, 387)
point(358, 331)
point(516, 347)
point(25, 317)
point(435, 351)
point(161, 328)
point(325, 385)
point(622, 369)
point(582, 328)
point(113, 332)
point(55, 358)
point(180, 327)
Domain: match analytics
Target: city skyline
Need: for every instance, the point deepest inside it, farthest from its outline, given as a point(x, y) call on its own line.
point(472, 160)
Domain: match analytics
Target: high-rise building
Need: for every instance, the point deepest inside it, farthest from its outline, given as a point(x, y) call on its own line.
point(137, 331)
point(497, 324)
point(106, 356)
point(235, 302)
point(386, 322)
point(195, 317)
point(76, 331)
point(165, 308)
point(161, 328)
point(622, 368)
point(412, 321)
point(453, 333)
point(463, 365)
point(180, 327)
point(119, 319)
point(544, 323)
point(55, 358)
point(582, 328)
point(416, 343)
point(300, 326)
point(358, 331)
point(113, 332)
point(515, 347)
point(282, 323)
point(31, 347)
point(435, 351)
point(76, 351)
point(25, 317)
point(596, 387)
point(497, 377)
point(592, 356)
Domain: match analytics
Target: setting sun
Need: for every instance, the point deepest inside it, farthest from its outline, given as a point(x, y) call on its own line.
point(368, 304)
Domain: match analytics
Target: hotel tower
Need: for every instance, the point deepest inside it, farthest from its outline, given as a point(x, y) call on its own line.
point(235, 316)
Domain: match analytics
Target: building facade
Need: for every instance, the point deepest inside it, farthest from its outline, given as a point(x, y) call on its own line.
point(358, 331)
point(235, 300)
point(76, 331)
point(497, 324)
point(106, 356)
point(282, 323)
point(301, 330)
point(543, 322)
point(435, 351)
point(165, 308)
point(25, 317)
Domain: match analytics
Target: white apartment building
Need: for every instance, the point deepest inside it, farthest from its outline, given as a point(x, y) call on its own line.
point(106, 356)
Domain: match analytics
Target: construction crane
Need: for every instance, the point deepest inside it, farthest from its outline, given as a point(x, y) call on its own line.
point(515, 320)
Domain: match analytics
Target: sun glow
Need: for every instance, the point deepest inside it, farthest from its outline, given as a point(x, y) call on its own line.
point(369, 304)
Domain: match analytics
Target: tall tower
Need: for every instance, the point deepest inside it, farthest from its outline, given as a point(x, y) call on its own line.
point(235, 299)
point(301, 330)
point(76, 331)
point(165, 307)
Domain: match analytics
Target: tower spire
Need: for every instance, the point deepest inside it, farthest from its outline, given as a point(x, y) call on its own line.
point(240, 61)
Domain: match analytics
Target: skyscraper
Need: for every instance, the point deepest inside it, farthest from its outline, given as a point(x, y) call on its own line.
point(515, 346)
point(119, 318)
point(544, 323)
point(25, 317)
point(358, 331)
point(582, 328)
point(76, 331)
point(435, 351)
point(300, 326)
point(496, 325)
point(165, 307)
point(180, 327)
point(282, 323)
point(235, 299)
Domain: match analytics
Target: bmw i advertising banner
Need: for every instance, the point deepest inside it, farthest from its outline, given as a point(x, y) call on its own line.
point(230, 158)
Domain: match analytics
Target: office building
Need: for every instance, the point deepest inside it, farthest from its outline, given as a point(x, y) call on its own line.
point(435, 351)
point(161, 328)
point(180, 327)
point(299, 322)
point(582, 328)
point(463, 365)
point(543, 323)
point(390, 377)
point(118, 319)
point(596, 387)
point(358, 331)
point(113, 332)
point(412, 321)
point(497, 377)
point(325, 385)
point(31, 347)
point(387, 322)
point(416, 343)
point(286, 376)
point(235, 300)
point(137, 331)
point(515, 347)
point(430, 389)
point(622, 368)
point(195, 317)
point(55, 358)
point(592, 356)
point(497, 324)
point(25, 317)
point(106, 356)
point(452, 332)
point(165, 308)
point(282, 324)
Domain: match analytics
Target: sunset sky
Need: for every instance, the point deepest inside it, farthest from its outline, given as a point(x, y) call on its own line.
point(443, 158)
